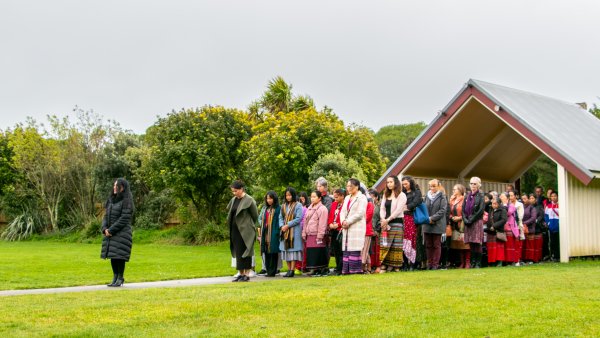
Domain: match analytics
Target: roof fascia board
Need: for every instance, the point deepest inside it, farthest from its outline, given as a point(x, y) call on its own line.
point(426, 135)
point(523, 129)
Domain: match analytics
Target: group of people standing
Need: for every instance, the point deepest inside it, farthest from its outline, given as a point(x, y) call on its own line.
point(366, 232)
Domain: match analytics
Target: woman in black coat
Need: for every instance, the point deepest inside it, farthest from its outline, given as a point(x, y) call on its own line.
point(116, 228)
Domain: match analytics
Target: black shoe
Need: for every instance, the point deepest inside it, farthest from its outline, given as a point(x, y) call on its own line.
point(113, 281)
point(244, 279)
point(237, 279)
point(268, 275)
point(262, 272)
point(119, 282)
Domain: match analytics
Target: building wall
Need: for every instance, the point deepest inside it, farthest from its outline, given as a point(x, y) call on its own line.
point(448, 184)
point(583, 203)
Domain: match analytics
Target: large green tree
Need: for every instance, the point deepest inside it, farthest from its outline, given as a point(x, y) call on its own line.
point(197, 153)
point(394, 139)
point(285, 146)
point(41, 161)
point(336, 169)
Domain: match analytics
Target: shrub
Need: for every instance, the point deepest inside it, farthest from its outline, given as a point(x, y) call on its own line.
point(92, 228)
point(23, 226)
point(212, 232)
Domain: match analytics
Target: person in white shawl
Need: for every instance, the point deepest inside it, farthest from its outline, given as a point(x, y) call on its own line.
point(354, 226)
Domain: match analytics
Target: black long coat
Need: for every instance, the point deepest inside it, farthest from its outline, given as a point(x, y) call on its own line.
point(117, 220)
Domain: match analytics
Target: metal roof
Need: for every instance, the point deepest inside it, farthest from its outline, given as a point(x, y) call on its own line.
point(572, 130)
point(513, 128)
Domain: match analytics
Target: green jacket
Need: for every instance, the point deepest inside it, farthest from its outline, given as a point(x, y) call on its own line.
point(245, 219)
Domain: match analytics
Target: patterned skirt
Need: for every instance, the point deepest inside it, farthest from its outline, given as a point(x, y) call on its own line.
point(351, 263)
point(391, 254)
point(474, 232)
point(375, 252)
point(530, 248)
point(409, 245)
point(510, 248)
point(495, 249)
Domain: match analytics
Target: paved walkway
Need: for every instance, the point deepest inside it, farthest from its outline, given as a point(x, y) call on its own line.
point(131, 286)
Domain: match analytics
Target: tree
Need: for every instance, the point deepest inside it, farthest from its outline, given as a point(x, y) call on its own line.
point(7, 171)
point(197, 153)
point(394, 139)
point(336, 169)
point(542, 173)
point(40, 161)
point(362, 147)
point(286, 145)
point(595, 111)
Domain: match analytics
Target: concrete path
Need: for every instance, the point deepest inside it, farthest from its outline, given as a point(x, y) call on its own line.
point(132, 286)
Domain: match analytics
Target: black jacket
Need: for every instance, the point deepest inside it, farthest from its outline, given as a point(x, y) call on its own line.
point(413, 199)
point(477, 213)
point(117, 219)
point(497, 219)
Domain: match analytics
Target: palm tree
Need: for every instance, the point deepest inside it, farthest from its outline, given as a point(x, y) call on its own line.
point(278, 97)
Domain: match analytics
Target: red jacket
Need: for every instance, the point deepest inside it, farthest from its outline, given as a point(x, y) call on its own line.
point(370, 210)
point(333, 217)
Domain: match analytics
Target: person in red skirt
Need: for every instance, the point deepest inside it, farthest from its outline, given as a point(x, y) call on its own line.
point(496, 221)
point(376, 221)
point(529, 219)
point(511, 230)
point(413, 199)
point(540, 228)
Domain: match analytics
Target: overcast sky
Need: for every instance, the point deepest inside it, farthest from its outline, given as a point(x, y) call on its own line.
point(374, 62)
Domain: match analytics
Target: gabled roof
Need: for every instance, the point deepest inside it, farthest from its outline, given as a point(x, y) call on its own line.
point(496, 133)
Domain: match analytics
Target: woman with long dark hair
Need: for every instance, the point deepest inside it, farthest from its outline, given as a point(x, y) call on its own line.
point(409, 241)
point(291, 232)
point(335, 227)
point(116, 228)
point(242, 217)
point(313, 234)
point(392, 225)
point(354, 226)
point(269, 232)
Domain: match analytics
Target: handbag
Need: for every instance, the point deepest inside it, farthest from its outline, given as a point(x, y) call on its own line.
point(500, 236)
point(421, 215)
point(448, 230)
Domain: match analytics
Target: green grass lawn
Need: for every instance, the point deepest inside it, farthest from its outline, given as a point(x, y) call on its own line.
point(540, 301)
point(43, 264)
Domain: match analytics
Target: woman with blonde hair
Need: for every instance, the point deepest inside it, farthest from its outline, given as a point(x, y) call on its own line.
point(458, 227)
point(473, 207)
point(437, 205)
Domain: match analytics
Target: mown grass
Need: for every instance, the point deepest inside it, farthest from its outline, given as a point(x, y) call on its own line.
point(44, 264)
point(533, 301)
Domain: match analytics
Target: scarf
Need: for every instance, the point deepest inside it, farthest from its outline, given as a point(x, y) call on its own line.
point(433, 196)
point(288, 235)
point(470, 203)
point(267, 225)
